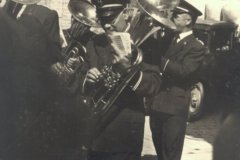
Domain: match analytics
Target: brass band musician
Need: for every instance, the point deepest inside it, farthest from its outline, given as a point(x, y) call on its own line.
point(121, 137)
point(178, 67)
point(68, 71)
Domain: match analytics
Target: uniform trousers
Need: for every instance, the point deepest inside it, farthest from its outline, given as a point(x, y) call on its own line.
point(168, 132)
point(114, 156)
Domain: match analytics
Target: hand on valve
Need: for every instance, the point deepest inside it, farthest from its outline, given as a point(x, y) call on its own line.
point(93, 75)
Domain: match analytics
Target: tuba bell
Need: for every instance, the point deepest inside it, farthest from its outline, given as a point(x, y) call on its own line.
point(139, 22)
point(83, 17)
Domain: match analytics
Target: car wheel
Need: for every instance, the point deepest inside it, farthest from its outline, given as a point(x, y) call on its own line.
point(196, 103)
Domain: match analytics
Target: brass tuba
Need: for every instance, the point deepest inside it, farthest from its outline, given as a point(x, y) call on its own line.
point(140, 21)
point(83, 17)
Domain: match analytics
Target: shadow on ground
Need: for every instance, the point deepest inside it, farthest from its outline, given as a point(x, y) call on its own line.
point(149, 157)
point(206, 128)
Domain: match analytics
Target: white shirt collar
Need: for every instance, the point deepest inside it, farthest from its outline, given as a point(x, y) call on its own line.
point(184, 34)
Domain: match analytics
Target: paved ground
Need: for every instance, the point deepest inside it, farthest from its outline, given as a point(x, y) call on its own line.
point(198, 141)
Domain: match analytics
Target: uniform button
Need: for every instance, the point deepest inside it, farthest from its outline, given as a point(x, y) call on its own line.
point(84, 100)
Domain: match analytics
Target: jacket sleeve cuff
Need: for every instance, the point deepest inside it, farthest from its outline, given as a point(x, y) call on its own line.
point(163, 65)
point(138, 82)
point(135, 82)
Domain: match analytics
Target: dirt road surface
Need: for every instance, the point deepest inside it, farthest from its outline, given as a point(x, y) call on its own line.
point(198, 140)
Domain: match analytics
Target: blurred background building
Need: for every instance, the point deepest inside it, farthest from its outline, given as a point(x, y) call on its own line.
point(211, 9)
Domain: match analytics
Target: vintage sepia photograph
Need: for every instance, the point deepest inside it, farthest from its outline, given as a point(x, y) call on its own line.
point(119, 79)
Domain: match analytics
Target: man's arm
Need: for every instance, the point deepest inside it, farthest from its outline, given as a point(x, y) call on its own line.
point(148, 81)
point(182, 69)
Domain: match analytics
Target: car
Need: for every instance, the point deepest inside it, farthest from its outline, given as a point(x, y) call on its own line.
point(216, 70)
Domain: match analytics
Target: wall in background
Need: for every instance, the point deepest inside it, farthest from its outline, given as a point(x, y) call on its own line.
point(61, 7)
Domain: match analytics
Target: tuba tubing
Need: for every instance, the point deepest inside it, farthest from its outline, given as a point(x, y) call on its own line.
point(65, 74)
point(84, 16)
point(102, 99)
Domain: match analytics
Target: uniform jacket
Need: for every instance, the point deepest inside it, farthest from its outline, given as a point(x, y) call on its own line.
point(64, 131)
point(124, 132)
point(180, 73)
point(50, 23)
point(29, 125)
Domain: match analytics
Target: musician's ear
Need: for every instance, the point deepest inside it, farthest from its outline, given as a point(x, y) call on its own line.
point(188, 20)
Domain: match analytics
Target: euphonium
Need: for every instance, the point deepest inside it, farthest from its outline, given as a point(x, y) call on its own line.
point(139, 22)
point(83, 17)
point(112, 82)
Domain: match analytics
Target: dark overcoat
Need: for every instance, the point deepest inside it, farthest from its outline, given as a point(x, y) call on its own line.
point(29, 122)
point(63, 119)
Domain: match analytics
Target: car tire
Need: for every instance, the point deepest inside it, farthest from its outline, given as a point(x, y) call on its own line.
point(197, 102)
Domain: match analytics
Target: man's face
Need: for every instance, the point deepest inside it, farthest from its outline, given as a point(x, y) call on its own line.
point(181, 21)
point(107, 23)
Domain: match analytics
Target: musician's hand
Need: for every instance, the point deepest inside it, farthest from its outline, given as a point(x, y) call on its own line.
point(93, 75)
point(72, 62)
point(121, 59)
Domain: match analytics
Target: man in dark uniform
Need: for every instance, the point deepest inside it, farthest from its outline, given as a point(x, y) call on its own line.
point(27, 120)
point(122, 137)
point(68, 75)
point(169, 110)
